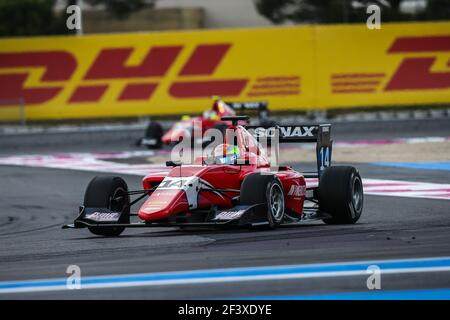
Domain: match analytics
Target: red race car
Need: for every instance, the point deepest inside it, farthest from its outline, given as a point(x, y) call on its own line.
point(232, 184)
point(155, 137)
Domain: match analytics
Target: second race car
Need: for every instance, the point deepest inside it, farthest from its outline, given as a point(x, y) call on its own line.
point(155, 135)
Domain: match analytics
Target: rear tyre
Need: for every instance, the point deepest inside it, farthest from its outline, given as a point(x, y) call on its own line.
point(154, 131)
point(260, 188)
point(111, 193)
point(341, 194)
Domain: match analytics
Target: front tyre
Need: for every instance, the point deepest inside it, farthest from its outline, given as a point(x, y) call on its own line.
point(154, 132)
point(111, 193)
point(261, 188)
point(341, 194)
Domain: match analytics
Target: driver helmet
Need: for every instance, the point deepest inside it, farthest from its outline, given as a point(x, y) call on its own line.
point(210, 115)
point(226, 154)
point(218, 104)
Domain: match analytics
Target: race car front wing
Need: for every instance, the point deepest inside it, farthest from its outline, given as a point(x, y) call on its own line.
point(238, 216)
point(248, 215)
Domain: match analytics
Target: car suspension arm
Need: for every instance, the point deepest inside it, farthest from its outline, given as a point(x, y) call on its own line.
point(143, 194)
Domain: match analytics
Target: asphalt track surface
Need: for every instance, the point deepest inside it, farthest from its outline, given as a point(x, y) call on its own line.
point(35, 202)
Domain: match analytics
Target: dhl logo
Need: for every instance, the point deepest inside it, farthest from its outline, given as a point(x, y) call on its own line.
point(292, 68)
point(413, 73)
point(110, 64)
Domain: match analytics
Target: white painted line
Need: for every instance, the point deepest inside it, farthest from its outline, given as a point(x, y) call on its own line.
point(285, 272)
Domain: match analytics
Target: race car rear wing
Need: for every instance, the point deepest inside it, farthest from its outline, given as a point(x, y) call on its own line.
point(303, 133)
point(259, 106)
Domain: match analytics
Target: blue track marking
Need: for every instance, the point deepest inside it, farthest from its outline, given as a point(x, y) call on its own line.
point(234, 274)
point(426, 294)
point(445, 166)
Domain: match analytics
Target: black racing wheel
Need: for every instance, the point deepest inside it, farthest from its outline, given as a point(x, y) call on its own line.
point(264, 188)
point(111, 193)
point(154, 132)
point(341, 194)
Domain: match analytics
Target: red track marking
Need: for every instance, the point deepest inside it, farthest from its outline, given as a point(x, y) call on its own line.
point(443, 195)
point(372, 185)
point(94, 162)
point(410, 190)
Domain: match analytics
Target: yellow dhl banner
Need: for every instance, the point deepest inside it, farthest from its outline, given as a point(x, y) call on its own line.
point(293, 68)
